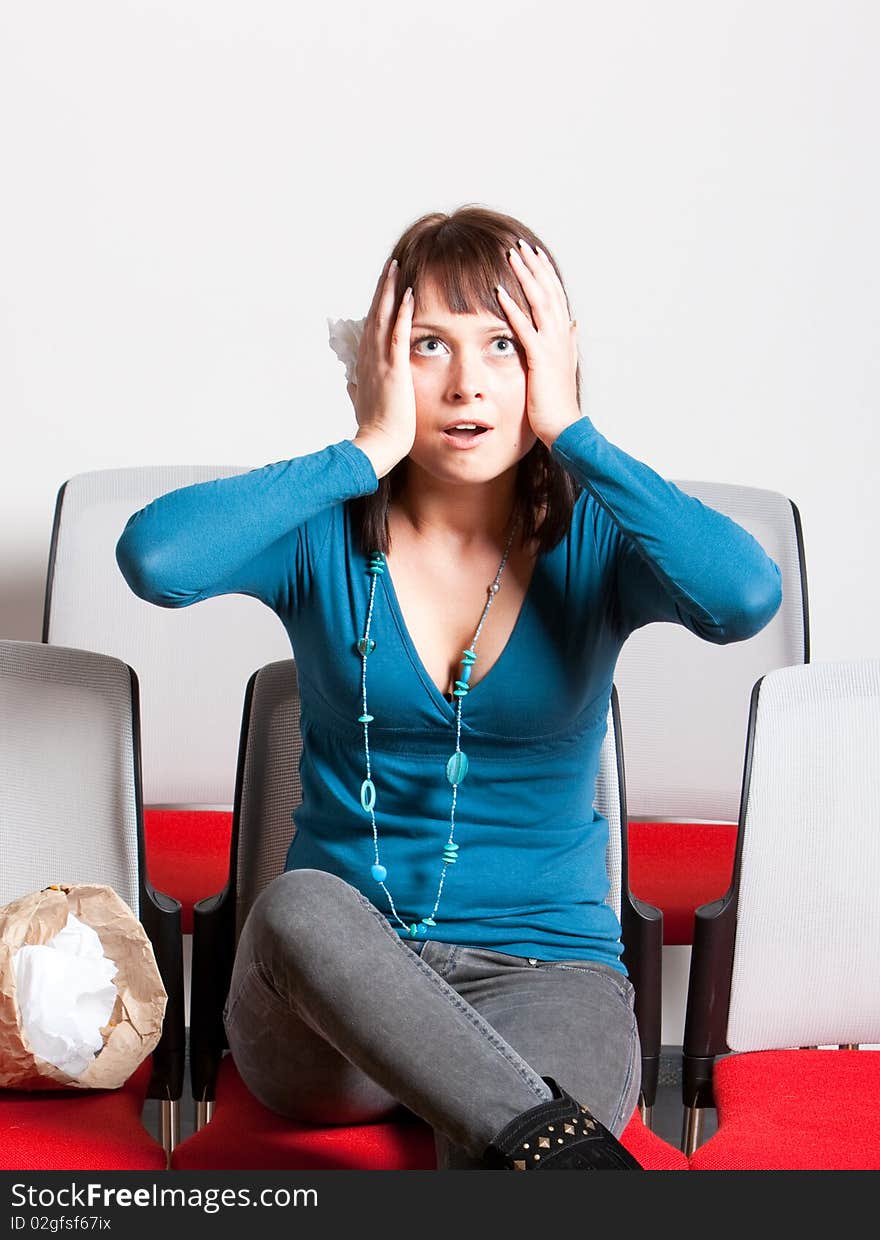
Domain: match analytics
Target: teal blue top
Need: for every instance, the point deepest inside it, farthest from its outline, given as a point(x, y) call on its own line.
point(531, 878)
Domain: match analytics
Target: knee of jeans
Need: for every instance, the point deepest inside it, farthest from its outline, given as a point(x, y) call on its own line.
point(297, 904)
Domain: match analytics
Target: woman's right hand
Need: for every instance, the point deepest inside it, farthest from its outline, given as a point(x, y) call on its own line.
point(384, 398)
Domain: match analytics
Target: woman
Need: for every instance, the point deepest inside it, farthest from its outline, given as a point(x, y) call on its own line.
point(457, 582)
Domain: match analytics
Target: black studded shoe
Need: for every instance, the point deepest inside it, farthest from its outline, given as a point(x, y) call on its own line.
point(557, 1135)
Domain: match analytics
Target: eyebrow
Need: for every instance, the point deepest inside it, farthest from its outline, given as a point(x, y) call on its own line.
point(444, 331)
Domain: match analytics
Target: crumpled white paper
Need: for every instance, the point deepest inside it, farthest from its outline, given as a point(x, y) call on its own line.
point(345, 337)
point(65, 995)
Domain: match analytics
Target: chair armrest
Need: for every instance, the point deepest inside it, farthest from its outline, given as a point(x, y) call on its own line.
point(160, 917)
point(708, 998)
point(213, 956)
point(642, 932)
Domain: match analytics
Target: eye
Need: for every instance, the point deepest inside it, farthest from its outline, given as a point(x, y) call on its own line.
point(434, 346)
point(427, 340)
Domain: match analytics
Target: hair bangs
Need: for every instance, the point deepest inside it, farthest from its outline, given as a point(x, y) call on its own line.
point(464, 263)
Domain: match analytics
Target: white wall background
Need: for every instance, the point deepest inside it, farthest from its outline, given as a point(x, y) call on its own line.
point(190, 188)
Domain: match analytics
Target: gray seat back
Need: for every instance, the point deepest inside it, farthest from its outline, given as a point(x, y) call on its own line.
point(68, 753)
point(684, 702)
point(192, 664)
point(807, 946)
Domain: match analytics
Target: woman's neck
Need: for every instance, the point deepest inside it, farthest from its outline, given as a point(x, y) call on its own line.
point(463, 515)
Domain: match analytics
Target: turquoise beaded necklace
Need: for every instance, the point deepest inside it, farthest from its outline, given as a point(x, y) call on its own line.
point(456, 767)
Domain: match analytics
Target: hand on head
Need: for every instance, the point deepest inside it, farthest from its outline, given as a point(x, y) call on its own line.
point(549, 339)
point(384, 397)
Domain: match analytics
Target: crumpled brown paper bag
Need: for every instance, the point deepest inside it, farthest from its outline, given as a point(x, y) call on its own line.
point(135, 1024)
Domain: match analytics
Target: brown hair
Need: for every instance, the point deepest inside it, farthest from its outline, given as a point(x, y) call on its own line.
point(465, 253)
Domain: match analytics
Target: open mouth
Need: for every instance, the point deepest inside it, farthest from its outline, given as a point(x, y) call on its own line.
point(465, 430)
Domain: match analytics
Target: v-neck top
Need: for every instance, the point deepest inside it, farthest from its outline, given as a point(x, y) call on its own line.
point(531, 876)
point(386, 584)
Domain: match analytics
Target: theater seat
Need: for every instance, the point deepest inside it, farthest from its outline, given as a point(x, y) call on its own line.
point(192, 667)
point(684, 706)
point(231, 1124)
point(71, 812)
point(784, 985)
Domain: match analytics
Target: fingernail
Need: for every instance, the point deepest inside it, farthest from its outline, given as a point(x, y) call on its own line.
point(408, 294)
point(392, 264)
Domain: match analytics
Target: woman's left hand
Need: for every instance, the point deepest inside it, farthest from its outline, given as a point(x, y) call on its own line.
point(550, 343)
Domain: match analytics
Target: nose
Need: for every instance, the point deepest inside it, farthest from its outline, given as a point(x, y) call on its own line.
point(466, 378)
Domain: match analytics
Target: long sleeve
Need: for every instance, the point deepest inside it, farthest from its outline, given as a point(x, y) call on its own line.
point(236, 535)
point(675, 558)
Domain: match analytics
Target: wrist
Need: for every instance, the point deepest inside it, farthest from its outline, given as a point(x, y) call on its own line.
point(382, 454)
point(549, 437)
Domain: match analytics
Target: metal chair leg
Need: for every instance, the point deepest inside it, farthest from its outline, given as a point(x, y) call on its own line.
point(169, 1116)
point(647, 1113)
point(692, 1129)
point(204, 1114)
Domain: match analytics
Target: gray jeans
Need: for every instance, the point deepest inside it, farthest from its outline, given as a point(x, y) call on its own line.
point(332, 1018)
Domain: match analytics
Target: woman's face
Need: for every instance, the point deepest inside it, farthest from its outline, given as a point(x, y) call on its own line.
point(466, 368)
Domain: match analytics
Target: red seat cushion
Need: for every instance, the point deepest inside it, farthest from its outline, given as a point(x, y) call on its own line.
point(246, 1136)
point(243, 1135)
point(187, 854)
point(79, 1130)
point(798, 1110)
point(651, 1151)
point(678, 866)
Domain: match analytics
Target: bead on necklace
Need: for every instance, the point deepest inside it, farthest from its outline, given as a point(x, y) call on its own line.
point(456, 767)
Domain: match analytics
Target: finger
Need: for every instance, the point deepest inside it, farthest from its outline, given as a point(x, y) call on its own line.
point(519, 321)
point(540, 263)
point(381, 285)
point(400, 334)
point(534, 287)
point(544, 261)
point(540, 283)
point(384, 319)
